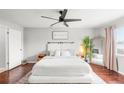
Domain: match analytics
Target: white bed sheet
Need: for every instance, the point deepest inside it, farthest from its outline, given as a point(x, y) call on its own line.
point(61, 66)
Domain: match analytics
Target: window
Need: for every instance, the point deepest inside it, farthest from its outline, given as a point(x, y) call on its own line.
point(120, 40)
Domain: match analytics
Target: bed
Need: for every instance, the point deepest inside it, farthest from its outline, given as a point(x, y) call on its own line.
point(64, 68)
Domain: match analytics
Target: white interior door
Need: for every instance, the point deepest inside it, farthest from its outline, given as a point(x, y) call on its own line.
point(14, 48)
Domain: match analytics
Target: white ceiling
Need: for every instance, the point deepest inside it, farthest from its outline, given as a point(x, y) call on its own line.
point(31, 17)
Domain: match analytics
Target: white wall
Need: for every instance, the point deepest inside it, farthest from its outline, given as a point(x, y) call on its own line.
point(35, 39)
point(4, 26)
point(99, 42)
point(2, 47)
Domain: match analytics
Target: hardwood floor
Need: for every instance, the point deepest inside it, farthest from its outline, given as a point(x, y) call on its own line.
point(108, 76)
point(17, 73)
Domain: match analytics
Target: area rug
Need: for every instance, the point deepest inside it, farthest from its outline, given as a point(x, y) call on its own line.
point(96, 79)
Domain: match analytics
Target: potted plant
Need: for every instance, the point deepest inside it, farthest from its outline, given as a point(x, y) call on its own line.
point(90, 53)
point(88, 47)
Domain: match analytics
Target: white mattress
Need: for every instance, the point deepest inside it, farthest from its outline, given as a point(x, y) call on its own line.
point(61, 66)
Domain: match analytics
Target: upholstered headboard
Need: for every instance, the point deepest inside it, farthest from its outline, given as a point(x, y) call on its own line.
point(52, 46)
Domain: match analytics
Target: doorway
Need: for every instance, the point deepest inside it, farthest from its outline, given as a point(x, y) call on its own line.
point(13, 48)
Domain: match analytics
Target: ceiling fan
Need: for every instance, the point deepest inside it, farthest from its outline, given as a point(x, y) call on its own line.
point(62, 18)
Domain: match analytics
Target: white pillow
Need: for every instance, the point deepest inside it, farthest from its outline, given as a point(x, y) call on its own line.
point(57, 53)
point(65, 53)
point(52, 53)
point(98, 56)
point(95, 55)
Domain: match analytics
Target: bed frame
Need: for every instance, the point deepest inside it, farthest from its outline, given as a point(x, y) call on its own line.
point(52, 46)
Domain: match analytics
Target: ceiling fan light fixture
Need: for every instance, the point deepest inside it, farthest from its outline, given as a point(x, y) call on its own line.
point(62, 18)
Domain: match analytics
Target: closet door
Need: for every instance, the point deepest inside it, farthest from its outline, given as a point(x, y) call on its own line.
point(14, 48)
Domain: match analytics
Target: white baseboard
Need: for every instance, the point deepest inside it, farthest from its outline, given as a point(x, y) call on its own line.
point(2, 70)
point(121, 72)
point(31, 62)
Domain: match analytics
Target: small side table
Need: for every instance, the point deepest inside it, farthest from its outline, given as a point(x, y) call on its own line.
point(40, 56)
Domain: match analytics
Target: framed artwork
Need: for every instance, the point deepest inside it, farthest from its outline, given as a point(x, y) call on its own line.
point(60, 35)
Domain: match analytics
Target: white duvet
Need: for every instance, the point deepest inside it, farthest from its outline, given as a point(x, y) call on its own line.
point(61, 66)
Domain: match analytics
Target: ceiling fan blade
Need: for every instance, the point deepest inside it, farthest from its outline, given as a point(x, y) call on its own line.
point(66, 24)
point(54, 23)
point(49, 18)
point(71, 20)
point(63, 14)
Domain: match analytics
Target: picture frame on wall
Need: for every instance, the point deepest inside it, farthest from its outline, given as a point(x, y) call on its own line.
point(60, 35)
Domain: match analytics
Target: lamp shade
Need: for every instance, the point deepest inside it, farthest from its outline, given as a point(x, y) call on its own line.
point(82, 50)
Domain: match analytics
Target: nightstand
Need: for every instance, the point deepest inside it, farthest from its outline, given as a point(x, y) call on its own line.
point(40, 56)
